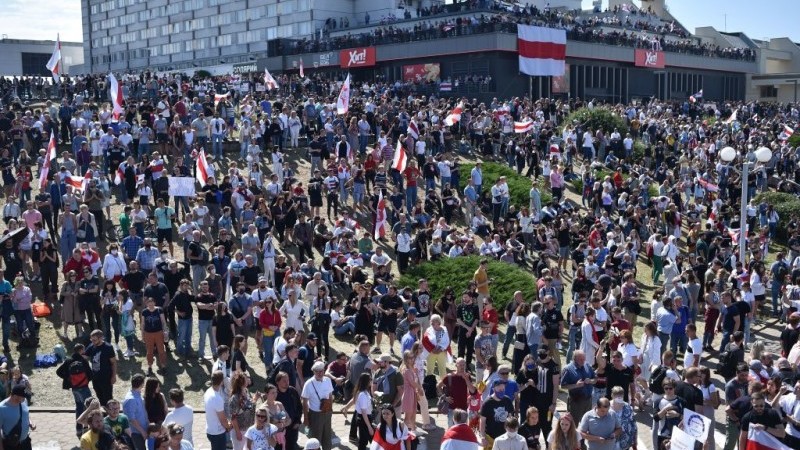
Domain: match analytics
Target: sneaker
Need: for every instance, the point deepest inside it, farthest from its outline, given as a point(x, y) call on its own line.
point(376, 350)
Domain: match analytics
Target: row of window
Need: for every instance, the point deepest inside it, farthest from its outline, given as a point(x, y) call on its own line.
point(254, 13)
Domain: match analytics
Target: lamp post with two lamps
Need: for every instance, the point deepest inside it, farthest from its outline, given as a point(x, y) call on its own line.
point(728, 155)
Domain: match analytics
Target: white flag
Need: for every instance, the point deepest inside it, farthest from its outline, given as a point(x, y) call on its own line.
point(343, 102)
point(54, 64)
point(269, 81)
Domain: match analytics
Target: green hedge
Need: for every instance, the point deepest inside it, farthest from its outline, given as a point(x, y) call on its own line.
point(598, 118)
point(457, 273)
point(785, 204)
point(519, 186)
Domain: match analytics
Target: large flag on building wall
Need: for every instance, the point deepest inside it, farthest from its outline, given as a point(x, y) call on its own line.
point(54, 64)
point(343, 102)
point(116, 96)
point(542, 51)
point(380, 217)
point(762, 440)
point(269, 80)
point(48, 161)
point(455, 115)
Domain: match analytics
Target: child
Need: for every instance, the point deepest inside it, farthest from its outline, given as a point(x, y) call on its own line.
point(474, 409)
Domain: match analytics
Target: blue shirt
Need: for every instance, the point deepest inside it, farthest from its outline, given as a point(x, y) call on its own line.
point(470, 193)
point(572, 374)
point(477, 176)
point(407, 342)
point(679, 329)
point(9, 416)
point(133, 407)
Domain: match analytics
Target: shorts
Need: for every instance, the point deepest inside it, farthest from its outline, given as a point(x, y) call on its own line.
point(387, 324)
point(164, 235)
point(761, 298)
point(162, 137)
point(563, 252)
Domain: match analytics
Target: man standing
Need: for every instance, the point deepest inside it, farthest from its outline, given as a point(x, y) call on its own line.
point(618, 374)
point(217, 424)
point(104, 366)
point(761, 417)
point(494, 412)
point(76, 373)
point(303, 236)
point(600, 427)
point(14, 411)
point(390, 306)
point(481, 279)
point(467, 320)
point(421, 300)
point(578, 379)
point(546, 381)
point(133, 407)
point(511, 331)
point(666, 317)
point(318, 406)
point(198, 259)
point(510, 440)
point(389, 381)
point(181, 413)
point(290, 399)
point(553, 327)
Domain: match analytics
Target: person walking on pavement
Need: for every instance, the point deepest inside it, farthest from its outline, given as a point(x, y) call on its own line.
point(103, 359)
point(318, 406)
point(15, 420)
point(76, 373)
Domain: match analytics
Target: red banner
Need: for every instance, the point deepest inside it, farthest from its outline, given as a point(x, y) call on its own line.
point(421, 72)
point(357, 57)
point(652, 59)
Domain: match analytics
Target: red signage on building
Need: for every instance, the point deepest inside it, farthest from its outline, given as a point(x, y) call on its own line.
point(652, 59)
point(421, 72)
point(357, 57)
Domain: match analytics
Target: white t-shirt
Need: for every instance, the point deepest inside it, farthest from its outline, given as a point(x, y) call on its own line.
point(260, 438)
point(629, 352)
point(790, 406)
point(214, 403)
point(315, 390)
point(694, 349)
point(182, 416)
point(280, 349)
point(364, 403)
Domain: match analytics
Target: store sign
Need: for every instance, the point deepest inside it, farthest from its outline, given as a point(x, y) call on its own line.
point(357, 57)
point(421, 72)
point(249, 67)
point(325, 59)
point(652, 59)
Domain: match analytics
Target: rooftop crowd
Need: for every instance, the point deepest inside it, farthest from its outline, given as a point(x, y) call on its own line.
point(276, 252)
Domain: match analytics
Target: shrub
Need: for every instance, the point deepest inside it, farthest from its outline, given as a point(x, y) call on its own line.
point(203, 74)
point(786, 205)
point(457, 273)
point(794, 140)
point(598, 118)
point(519, 186)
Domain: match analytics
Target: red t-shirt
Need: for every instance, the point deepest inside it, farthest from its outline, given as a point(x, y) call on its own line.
point(491, 317)
point(456, 387)
point(411, 174)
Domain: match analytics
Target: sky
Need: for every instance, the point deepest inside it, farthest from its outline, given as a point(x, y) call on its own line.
point(49, 17)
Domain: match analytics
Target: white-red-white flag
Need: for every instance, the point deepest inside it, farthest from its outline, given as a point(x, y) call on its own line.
point(202, 168)
point(54, 64)
point(524, 126)
point(116, 96)
point(459, 437)
point(48, 161)
point(220, 97)
point(119, 175)
point(302, 72)
point(455, 115)
point(87, 178)
point(400, 160)
point(343, 102)
point(542, 50)
point(762, 440)
point(413, 130)
point(787, 132)
point(380, 217)
point(74, 181)
point(269, 80)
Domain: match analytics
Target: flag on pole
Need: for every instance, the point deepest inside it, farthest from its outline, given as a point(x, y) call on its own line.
point(302, 72)
point(733, 117)
point(220, 97)
point(269, 81)
point(459, 437)
point(697, 96)
point(786, 133)
point(119, 175)
point(413, 130)
point(710, 187)
point(51, 155)
point(202, 168)
point(455, 115)
point(54, 64)
point(343, 102)
point(542, 50)
point(380, 217)
point(116, 96)
point(762, 440)
point(400, 160)
point(74, 181)
point(524, 126)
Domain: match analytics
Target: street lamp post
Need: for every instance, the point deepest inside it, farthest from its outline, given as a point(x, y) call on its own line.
point(728, 154)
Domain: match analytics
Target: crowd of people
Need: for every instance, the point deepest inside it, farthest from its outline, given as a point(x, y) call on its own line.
point(253, 261)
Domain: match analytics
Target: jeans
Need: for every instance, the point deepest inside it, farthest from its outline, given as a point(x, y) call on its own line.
point(731, 435)
point(216, 145)
point(205, 331)
point(510, 333)
point(80, 395)
point(184, 341)
point(664, 338)
point(6, 330)
point(726, 337)
point(678, 343)
point(573, 341)
point(347, 327)
point(24, 319)
point(111, 322)
point(747, 323)
point(411, 197)
point(217, 441)
point(267, 345)
point(776, 294)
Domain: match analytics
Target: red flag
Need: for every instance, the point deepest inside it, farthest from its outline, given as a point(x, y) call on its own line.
point(51, 155)
point(120, 174)
point(74, 181)
point(542, 51)
point(380, 217)
point(459, 437)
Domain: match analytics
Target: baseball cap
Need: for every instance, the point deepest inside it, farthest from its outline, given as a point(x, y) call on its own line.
point(412, 310)
point(311, 336)
point(312, 444)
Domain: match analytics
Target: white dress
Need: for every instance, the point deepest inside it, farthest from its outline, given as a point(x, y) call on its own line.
point(651, 354)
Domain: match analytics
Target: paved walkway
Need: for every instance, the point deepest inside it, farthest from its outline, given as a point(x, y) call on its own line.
point(56, 431)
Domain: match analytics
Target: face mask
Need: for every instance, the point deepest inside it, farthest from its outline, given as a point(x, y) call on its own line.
point(511, 434)
point(114, 252)
point(617, 400)
point(530, 366)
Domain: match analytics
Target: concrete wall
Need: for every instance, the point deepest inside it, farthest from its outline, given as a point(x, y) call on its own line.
point(11, 51)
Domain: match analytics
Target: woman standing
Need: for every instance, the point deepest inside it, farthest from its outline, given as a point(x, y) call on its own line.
point(321, 323)
point(70, 311)
point(651, 349)
point(67, 227)
point(222, 325)
point(446, 307)
point(411, 389)
point(363, 410)
point(261, 435)
point(154, 334)
point(531, 428)
point(520, 338)
point(127, 323)
point(668, 411)
point(110, 312)
point(87, 227)
point(391, 429)
point(711, 314)
point(565, 435)
point(242, 409)
point(154, 402)
point(239, 355)
point(277, 413)
point(21, 299)
point(270, 320)
point(628, 437)
point(711, 401)
point(48, 270)
point(176, 440)
point(420, 364)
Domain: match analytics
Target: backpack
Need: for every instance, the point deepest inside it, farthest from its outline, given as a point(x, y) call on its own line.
point(78, 378)
point(727, 364)
point(656, 378)
point(782, 272)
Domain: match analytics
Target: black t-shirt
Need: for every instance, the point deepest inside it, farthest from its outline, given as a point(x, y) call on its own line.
point(100, 358)
point(90, 283)
point(741, 406)
point(134, 281)
point(616, 377)
point(421, 300)
point(158, 292)
point(496, 412)
point(543, 380)
point(205, 299)
point(770, 418)
point(152, 320)
point(224, 333)
point(531, 434)
point(467, 313)
point(182, 302)
point(238, 356)
point(389, 302)
point(731, 312)
point(550, 320)
point(249, 275)
point(692, 396)
point(744, 309)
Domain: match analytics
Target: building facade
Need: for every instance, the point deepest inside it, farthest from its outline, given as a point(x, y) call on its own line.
point(26, 57)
